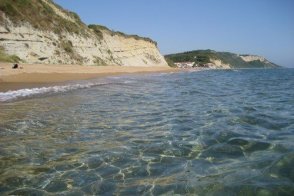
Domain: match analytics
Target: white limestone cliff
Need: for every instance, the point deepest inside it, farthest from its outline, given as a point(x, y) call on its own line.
point(218, 64)
point(250, 58)
point(34, 45)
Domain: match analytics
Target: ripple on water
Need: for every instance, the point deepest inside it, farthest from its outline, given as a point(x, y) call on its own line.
point(264, 122)
point(201, 133)
point(284, 167)
point(222, 152)
point(249, 145)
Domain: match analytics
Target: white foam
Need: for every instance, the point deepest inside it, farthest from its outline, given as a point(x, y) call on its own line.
point(11, 95)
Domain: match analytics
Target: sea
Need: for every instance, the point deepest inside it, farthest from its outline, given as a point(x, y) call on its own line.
point(214, 132)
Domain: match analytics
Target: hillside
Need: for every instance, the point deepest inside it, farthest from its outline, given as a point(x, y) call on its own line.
point(40, 31)
point(213, 59)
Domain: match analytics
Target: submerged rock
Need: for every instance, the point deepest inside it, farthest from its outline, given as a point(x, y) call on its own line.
point(28, 192)
point(284, 167)
point(249, 145)
point(56, 186)
point(222, 151)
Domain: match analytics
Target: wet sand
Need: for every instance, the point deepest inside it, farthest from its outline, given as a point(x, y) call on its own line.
point(36, 75)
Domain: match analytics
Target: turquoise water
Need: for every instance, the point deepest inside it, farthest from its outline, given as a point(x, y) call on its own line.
point(198, 133)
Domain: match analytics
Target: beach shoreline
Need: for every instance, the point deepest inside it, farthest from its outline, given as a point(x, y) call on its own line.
point(39, 75)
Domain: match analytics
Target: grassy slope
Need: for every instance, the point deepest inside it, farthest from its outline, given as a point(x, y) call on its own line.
point(41, 16)
point(204, 56)
point(99, 28)
point(8, 58)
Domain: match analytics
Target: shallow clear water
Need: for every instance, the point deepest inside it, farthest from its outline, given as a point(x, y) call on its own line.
point(205, 133)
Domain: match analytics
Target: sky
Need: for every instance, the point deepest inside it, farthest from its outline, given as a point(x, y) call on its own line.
point(261, 27)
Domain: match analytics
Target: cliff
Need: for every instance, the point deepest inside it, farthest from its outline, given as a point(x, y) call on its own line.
point(39, 31)
point(223, 60)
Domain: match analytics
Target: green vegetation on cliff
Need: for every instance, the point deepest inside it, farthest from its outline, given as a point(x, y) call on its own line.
point(41, 15)
point(98, 29)
point(170, 62)
point(205, 56)
point(8, 58)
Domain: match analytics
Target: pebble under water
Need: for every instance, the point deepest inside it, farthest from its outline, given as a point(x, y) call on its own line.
point(222, 132)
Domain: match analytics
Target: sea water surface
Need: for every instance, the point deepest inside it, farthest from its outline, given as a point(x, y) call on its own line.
point(199, 133)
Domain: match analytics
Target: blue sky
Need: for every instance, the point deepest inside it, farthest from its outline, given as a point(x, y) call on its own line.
point(262, 27)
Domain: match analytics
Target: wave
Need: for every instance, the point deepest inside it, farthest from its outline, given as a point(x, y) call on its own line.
point(29, 92)
point(22, 93)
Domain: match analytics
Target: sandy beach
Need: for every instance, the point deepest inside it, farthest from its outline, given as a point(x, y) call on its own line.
point(34, 75)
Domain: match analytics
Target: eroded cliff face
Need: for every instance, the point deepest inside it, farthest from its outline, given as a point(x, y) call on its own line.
point(38, 45)
point(218, 64)
point(250, 58)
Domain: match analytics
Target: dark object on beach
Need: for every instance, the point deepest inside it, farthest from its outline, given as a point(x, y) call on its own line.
point(43, 58)
point(15, 66)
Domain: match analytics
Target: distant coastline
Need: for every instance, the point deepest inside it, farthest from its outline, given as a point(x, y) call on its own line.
point(213, 59)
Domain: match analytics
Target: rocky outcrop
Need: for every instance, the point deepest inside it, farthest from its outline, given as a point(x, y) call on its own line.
point(75, 43)
point(218, 64)
point(250, 58)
